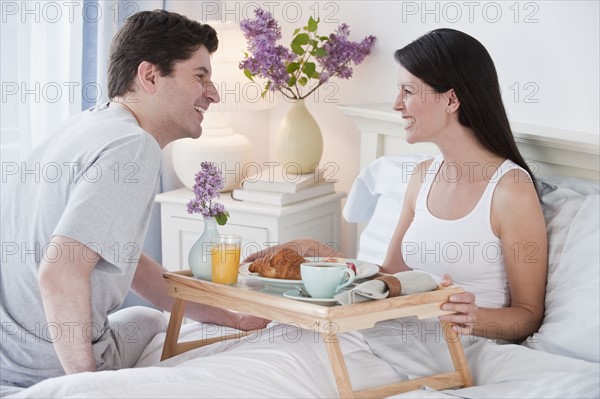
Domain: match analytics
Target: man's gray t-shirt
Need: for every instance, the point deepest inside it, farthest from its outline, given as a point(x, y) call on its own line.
point(94, 182)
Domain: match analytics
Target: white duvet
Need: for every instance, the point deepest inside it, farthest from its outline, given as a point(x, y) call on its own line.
point(286, 362)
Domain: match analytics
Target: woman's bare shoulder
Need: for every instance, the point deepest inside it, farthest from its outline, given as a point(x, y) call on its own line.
point(421, 169)
point(515, 186)
point(515, 203)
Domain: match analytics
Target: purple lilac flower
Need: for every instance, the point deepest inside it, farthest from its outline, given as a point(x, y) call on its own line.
point(208, 182)
point(340, 51)
point(269, 59)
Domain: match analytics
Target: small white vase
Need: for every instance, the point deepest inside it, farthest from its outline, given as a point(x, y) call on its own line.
point(199, 257)
point(298, 140)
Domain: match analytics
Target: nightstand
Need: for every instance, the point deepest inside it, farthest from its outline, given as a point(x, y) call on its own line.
point(259, 225)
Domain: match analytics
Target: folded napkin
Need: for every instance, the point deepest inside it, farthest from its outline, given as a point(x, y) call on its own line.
point(388, 285)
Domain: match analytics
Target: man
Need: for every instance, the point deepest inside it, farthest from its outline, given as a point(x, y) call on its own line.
point(72, 241)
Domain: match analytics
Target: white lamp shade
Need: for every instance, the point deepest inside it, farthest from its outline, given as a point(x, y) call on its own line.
point(219, 144)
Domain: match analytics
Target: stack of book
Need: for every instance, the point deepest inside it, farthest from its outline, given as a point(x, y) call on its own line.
point(277, 187)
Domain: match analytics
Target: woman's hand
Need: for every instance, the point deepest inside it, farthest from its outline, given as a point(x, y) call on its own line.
point(304, 247)
point(464, 305)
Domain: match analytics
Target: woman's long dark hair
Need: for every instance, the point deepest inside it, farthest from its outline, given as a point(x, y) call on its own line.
point(449, 59)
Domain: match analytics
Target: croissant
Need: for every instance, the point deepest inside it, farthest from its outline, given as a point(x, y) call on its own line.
point(283, 264)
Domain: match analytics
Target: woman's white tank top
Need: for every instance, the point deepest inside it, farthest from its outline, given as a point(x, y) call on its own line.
point(465, 248)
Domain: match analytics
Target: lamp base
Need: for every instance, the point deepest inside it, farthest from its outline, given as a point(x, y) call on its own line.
point(219, 144)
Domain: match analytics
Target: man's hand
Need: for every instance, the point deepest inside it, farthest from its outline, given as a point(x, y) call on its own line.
point(248, 323)
point(149, 284)
point(223, 317)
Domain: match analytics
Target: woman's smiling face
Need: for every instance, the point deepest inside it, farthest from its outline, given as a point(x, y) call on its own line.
point(423, 109)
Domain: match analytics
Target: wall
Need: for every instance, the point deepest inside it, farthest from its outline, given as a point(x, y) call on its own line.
point(546, 54)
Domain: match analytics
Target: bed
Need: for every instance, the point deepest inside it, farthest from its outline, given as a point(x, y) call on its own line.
point(560, 360)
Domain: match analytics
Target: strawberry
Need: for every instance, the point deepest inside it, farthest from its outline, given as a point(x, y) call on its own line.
point(351, 266)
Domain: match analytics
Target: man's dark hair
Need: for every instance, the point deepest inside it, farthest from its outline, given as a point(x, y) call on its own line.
point(159, 37)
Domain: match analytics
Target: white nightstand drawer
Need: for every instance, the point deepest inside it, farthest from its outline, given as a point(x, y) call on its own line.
point(259, 225)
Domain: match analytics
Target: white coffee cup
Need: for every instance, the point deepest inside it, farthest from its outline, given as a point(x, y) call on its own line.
point(324, 280)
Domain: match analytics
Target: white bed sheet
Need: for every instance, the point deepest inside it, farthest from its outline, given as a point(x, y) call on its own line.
point(286, 362)
point(515, 371)
point(283, 362)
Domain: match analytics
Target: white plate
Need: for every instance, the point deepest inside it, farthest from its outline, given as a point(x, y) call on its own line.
point(294, 294)
point(363, 269)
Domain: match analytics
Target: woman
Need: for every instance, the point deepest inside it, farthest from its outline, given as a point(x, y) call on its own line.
point(473, 212)
point(478, 196)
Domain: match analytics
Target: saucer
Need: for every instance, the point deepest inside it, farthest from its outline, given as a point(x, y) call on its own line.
point(363, 270)
point(294, 294)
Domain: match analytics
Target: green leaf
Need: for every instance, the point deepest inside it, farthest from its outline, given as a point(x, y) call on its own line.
point(320, 52)
point(301, 39)
point(302, 81)
point(296, 31)
point(324, 38)
point(292, 81)
point(221, 218)
point(292, 66)
point(312, 25)
point(309, 69)
point(297, 49)
point(248, 74)
point(267, 86)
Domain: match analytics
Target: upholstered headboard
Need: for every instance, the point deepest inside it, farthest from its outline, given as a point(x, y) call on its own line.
point(549, 151)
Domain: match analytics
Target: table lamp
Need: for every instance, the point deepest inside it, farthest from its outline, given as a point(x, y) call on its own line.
point(219, 143)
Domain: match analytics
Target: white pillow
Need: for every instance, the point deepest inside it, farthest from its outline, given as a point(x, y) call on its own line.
point(377, 196)
point(571, 324)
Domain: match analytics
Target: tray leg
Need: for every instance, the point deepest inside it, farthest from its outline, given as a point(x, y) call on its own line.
point(338, 365)
point(173, 329)
point(457, 353)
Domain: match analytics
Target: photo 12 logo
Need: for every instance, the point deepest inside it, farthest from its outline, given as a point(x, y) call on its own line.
point(49, 92)
point(470, 11)
point(66, 11)
point(69, 331)
point(51, 252)
point(288, 11)
point(54, 172)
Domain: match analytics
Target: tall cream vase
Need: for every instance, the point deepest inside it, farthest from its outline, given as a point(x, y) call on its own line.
point(298, 140)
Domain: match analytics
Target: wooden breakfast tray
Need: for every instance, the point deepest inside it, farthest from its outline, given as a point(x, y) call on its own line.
point(248, 299)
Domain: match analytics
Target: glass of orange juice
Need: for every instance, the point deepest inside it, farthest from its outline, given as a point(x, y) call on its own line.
point(225, 258)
